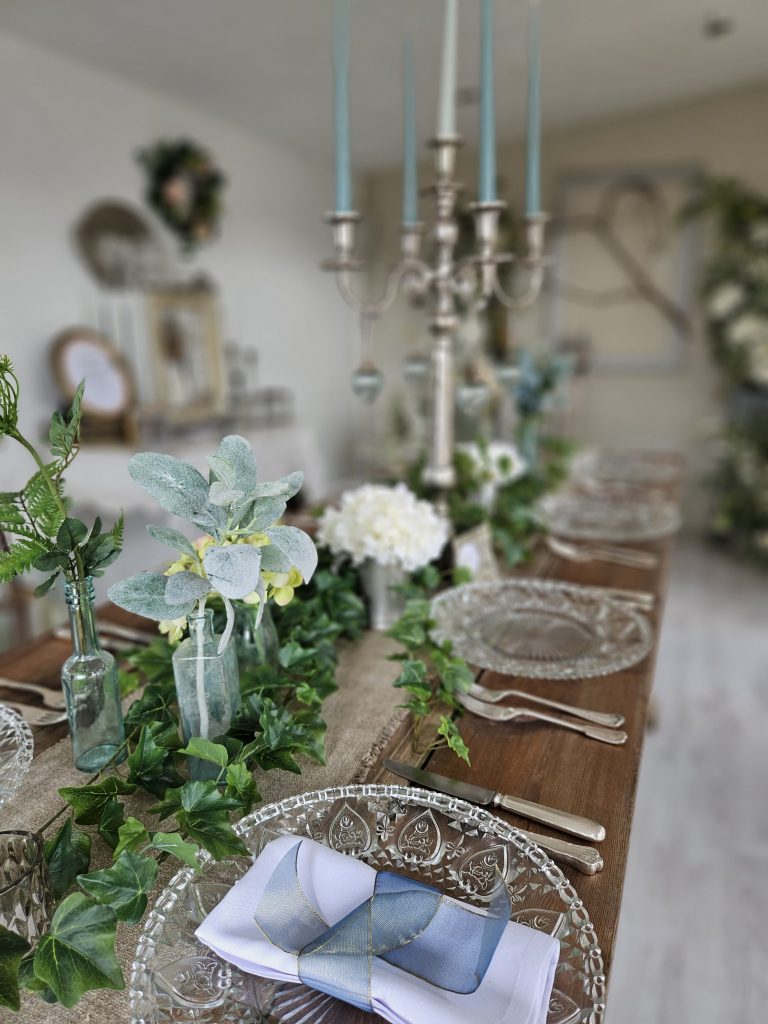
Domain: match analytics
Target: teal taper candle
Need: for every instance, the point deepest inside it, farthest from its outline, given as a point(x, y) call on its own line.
point(343, 180)
point(533, 160)
point(446, 114)
point(486, 191)
point(410, 159)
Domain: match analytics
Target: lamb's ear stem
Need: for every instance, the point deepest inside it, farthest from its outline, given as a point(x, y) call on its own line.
point(229, 626)
point(261, 590)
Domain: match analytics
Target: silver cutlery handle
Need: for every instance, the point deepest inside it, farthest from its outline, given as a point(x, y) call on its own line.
point(595, 732)
point(564, 820)
point(51, 698)
point(584, 858)
point(598, 717)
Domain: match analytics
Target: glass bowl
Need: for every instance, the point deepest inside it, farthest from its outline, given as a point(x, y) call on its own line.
point(437, 839)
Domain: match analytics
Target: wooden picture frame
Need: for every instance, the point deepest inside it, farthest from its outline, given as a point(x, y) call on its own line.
point(187, 355)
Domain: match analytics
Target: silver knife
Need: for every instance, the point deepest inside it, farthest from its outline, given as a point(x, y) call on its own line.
point(562, 820)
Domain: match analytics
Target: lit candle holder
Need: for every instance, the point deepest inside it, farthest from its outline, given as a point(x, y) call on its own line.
point(343, 179)
point(487, 169)
point(533, 155)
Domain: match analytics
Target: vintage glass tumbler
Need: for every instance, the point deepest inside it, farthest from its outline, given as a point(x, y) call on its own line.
point(26, 898)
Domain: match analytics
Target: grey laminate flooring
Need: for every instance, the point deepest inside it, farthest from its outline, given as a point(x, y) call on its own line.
point(693, 937)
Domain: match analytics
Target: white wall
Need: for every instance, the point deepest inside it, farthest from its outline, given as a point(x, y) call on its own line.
point(69, 136)
point(723, 134)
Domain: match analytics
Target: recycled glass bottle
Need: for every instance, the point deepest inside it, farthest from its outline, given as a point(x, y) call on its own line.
point(90, 684)
point(255, 645)
point(207, 686)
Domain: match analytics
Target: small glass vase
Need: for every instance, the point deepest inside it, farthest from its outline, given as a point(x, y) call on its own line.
point(207, 686)
point(255, 645)
point(385, 605)
point(528, 436)
point(91, 688)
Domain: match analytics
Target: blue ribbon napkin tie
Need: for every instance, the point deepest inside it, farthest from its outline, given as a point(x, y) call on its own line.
point(410, 925)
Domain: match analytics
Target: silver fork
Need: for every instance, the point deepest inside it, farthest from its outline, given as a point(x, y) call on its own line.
point(51, 698)
point(495, 714)
point(603, 553)
point(598, 717)
point(37, 716)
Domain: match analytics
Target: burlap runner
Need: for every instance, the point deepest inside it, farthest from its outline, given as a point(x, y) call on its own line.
point(360, 715)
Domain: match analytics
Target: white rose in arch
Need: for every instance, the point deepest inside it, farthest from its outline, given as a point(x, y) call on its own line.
point(724, 300)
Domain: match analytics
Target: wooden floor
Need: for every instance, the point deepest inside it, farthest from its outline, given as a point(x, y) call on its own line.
point(692, 944)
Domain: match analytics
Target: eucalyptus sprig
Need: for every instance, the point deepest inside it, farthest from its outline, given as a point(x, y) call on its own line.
point(45, 536)
point(244, 551)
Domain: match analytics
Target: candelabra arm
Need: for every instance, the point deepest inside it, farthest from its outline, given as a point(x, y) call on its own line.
point(372, 308)
point(534, 264)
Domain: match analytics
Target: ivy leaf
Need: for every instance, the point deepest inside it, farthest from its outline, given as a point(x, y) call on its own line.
point(241, 786)
point(67, 855)
point(297, 546)
point(173, 539)
point(202, 812)
point(233, 570)
point(132, 836)
point(151, 765)
point(450, 731)
point(144, 594)
point(200, 747)
point(112, 817)
point(78, 952)
point(174, 843)
point(30, 981)
point(413, 673)
point(88, 801)
point(123, 886)
point(12, 949)
point(183, 587)
point(153, 706)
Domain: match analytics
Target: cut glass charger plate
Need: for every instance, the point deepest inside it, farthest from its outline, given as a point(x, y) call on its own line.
point(542, 629)
point(631, 467)
point(16, 749)
point(461, 849)
point(600, 517)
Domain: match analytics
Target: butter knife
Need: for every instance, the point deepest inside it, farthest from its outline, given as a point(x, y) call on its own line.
point(562, 820)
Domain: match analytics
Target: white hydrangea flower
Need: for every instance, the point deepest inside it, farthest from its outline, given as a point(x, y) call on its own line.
point(389, 525)
point(724, 300)
point(748, 329)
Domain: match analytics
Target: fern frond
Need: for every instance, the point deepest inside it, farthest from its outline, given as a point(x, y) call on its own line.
point(117, 532)
point(19, 558)
point(11, 516)
point(40, 505)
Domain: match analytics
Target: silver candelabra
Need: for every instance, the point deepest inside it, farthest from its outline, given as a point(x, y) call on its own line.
point(439, 284)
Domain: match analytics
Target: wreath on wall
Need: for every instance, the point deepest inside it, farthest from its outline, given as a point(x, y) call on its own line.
point(184, 188)
point(735, 304)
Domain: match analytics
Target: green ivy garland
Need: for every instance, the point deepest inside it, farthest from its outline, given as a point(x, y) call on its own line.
point(184, 187)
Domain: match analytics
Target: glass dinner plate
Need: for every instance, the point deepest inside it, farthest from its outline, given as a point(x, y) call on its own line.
point(601, 517)
point(16, 749)
point(455, 846)
point(542, 629)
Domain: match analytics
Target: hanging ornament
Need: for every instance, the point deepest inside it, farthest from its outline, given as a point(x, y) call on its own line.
point(367, 382)
point(508, 374)
point(416, 368)
point(472, 397)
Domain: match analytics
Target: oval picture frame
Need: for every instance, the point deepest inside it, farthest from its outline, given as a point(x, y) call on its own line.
point(82, 353)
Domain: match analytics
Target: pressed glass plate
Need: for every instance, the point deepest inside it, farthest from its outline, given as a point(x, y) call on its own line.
point(631, 467)
point(600, 517)
point(16, 749)
point(542, 629)
point(455, 846)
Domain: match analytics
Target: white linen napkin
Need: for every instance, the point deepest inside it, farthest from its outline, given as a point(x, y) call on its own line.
point(515, 990)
